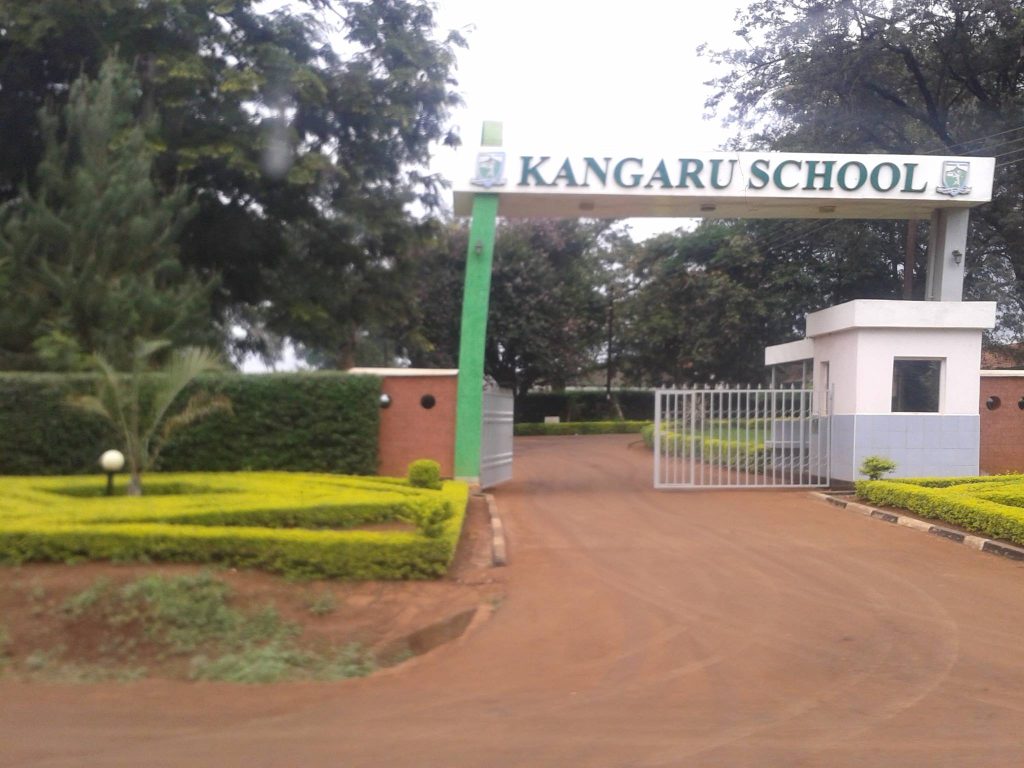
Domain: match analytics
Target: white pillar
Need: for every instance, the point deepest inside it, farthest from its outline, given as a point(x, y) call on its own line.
point(948, 233)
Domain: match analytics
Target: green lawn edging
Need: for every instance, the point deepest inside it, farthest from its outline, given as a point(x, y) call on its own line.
point(991, 506)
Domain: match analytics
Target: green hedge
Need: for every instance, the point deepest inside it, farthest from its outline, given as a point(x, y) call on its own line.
point(301, 421)
point(736, 453)
point(946, 482)
point(636, 405)
point(582, 428)
point(287, 523)
point(987, 505)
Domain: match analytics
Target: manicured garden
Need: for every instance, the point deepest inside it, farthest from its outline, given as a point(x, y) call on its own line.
point(991, 506)
point(298, 524)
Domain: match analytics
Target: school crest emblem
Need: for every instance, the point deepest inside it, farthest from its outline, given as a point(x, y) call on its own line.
point(490, 170)
point(955, 175)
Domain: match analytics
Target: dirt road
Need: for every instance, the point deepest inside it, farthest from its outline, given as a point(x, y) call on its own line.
point(641, 628)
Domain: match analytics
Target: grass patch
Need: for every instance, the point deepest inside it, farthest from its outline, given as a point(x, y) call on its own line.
point(992, 506)
point(5, 647)
point(189, 619)
point(322, 604)
point(276, 661)
point(298, 524)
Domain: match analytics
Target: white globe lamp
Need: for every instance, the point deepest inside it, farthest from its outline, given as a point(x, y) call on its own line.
point(111, 462)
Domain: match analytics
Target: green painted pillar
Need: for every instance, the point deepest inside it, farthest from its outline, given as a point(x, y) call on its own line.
point(473, 331)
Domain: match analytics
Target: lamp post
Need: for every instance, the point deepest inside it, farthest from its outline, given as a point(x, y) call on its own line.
point(111, 462)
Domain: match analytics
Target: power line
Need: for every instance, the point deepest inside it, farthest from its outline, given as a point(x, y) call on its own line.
point(794, 231)
point(813, 228)
point(1000, 145)
point(942, 150)
point(1012, 152)
point(783, 230)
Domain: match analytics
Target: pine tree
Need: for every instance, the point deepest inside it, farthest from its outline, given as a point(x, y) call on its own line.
point(89, 259)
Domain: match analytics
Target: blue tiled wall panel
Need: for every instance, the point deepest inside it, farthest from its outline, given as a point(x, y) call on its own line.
point(920, 444)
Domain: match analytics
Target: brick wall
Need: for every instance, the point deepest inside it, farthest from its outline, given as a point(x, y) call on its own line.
point(410, 431)
point(1002, 427)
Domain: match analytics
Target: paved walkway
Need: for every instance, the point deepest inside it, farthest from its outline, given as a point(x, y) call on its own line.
point(641, 628)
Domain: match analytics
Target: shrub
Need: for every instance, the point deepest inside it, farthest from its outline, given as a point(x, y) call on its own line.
point(295, 524)
point(876, 466)
point(321, 422)
point(425, 473)
point(989, 506)
point(582, 428)
point(742, 452)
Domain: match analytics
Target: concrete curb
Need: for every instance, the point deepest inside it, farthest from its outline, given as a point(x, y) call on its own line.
point(499, 553)
point(975, 542)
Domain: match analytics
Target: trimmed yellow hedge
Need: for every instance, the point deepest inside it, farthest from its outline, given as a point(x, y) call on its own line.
point(991, 506)
point(291, 523)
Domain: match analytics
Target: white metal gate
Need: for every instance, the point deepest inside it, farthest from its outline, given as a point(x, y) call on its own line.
point(496, 437)
point(739, 438)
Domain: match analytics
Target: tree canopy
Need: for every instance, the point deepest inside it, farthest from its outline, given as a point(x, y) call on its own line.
point(90, 257)
point(894, 76)
point(546, 316)
point(318, 116)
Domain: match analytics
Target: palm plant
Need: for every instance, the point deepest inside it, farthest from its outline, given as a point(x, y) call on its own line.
point(137, 402)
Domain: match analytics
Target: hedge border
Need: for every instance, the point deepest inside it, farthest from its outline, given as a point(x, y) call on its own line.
point(322, 421)
point(305, 553)
point(526, 429)
point(949, 499)
point(585, 405)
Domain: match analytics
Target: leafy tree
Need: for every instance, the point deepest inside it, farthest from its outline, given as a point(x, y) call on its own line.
point(430, 336)
point(697, 314)
point(704, 304)
point(282, 133)
point(900, 76)
point(332, 294)
point(91, 256)
point(137, 402)
point(817, 264)
point(546, 311)
point(617, 284)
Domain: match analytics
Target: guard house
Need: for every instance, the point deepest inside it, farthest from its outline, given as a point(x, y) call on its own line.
point(899, 379)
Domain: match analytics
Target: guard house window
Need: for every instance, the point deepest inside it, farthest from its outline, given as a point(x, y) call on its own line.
point(916, 386)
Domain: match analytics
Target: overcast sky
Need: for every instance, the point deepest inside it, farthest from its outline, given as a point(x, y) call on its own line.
point(565, 73)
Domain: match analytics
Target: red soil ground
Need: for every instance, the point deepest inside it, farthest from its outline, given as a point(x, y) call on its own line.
point(640, 628)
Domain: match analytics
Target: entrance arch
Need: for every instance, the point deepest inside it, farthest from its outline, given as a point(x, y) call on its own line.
point(517, 183)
